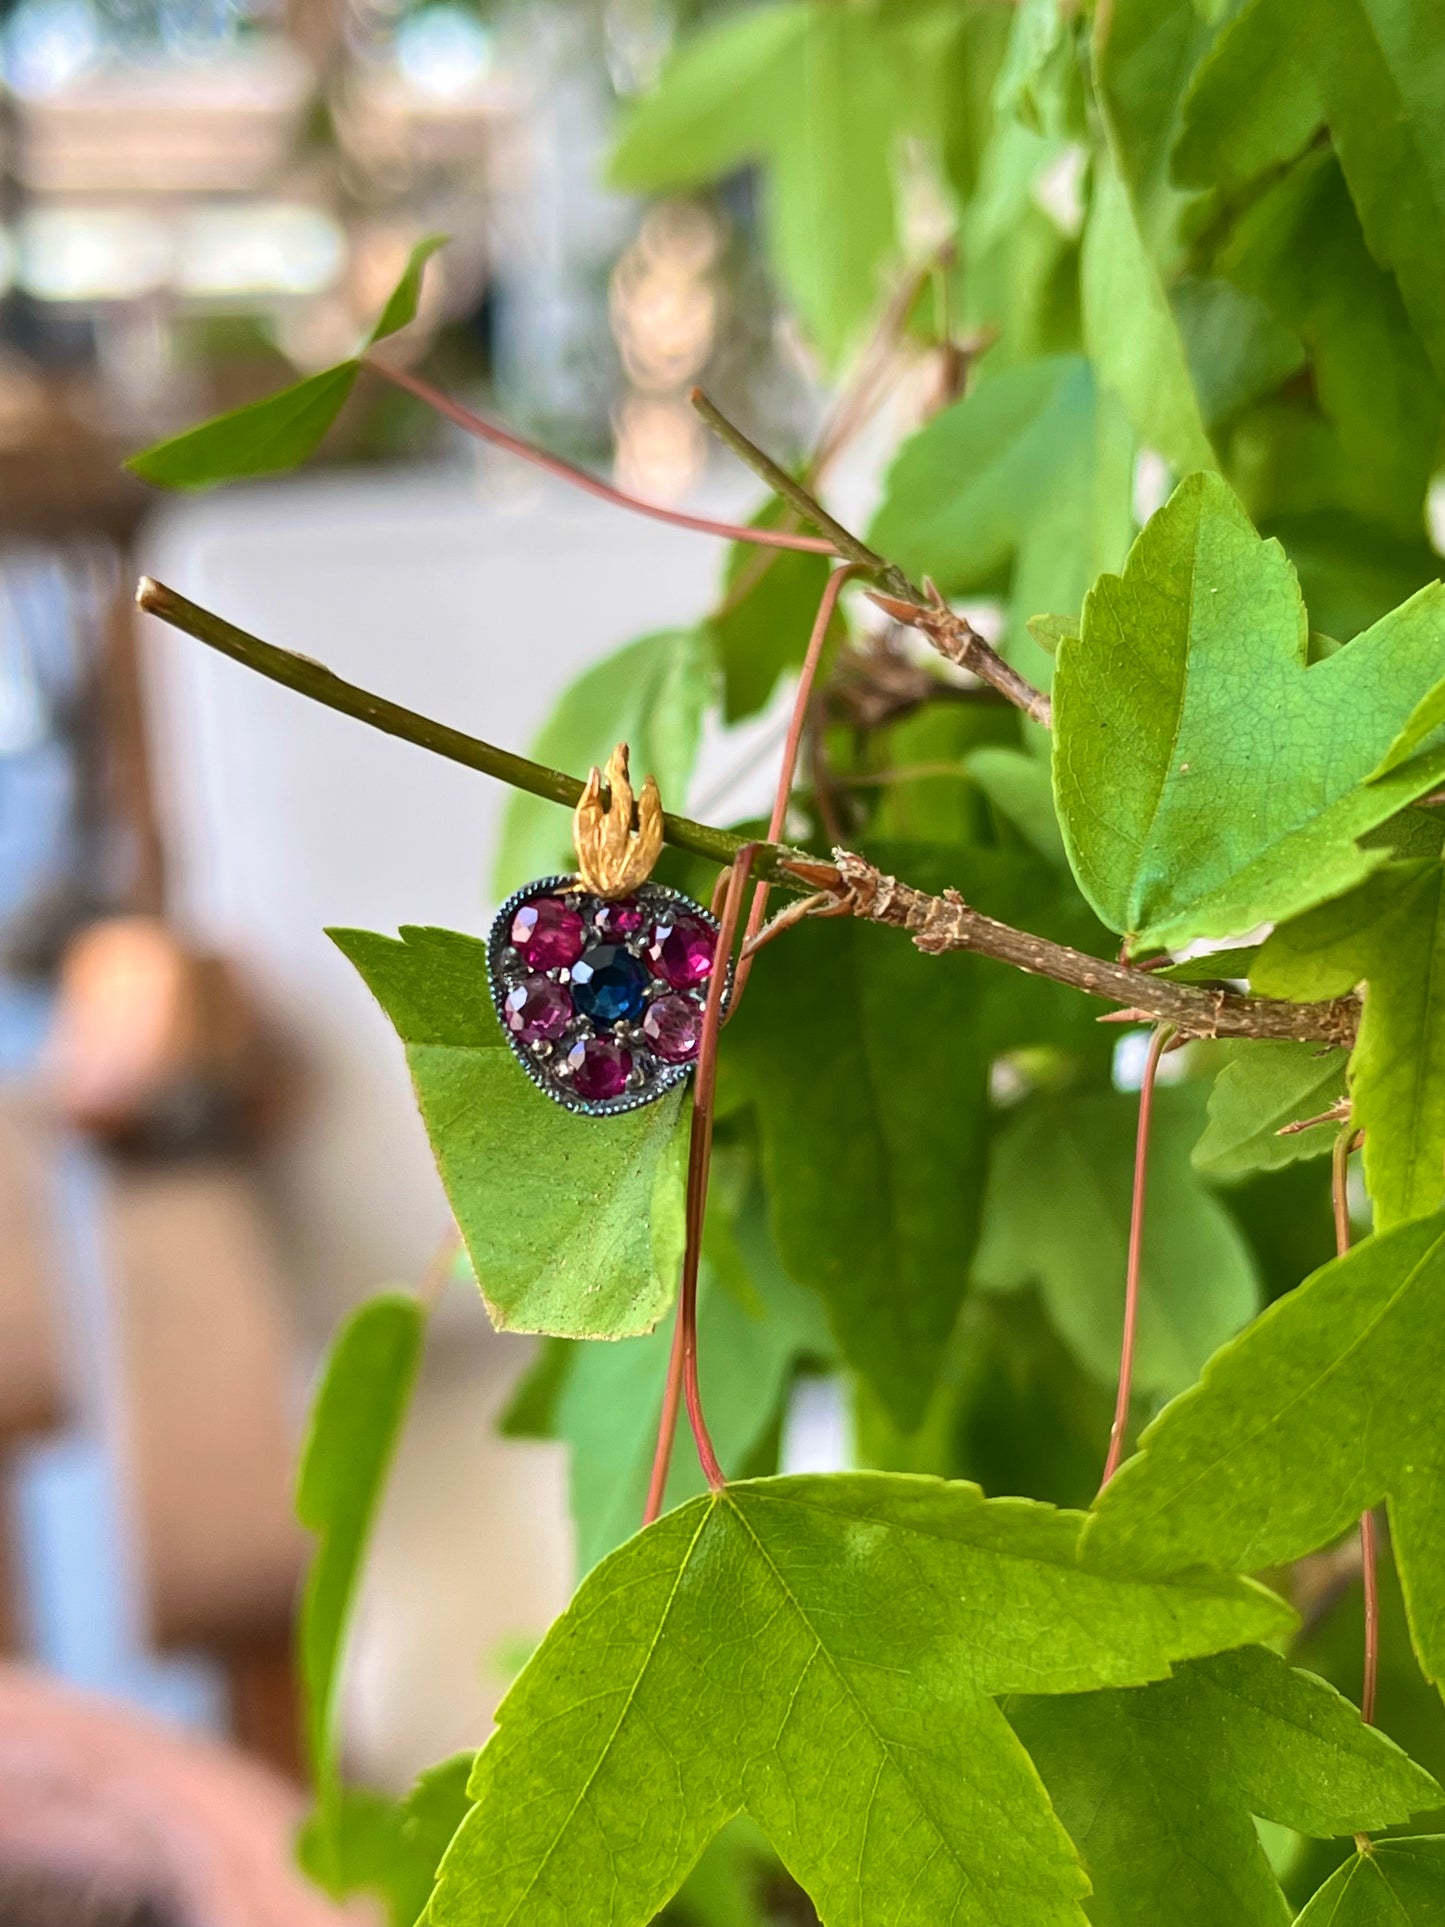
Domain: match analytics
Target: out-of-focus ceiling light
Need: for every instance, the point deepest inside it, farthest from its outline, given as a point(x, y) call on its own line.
point(444, 50)
point(50, 43)
point(92, 254)
point(271, 248)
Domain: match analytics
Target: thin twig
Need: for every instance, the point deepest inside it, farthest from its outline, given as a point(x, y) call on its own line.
point(843, 541)
point(924, 609)
point(957, 641)
point(942, 923)
point(310, 678)
point(1369, 1552)
point(1134, 1268)
point(486, 431)
point(788, 767)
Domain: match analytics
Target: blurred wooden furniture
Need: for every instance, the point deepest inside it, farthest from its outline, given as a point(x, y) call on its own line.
point(32, 1389)
point(204, 1363)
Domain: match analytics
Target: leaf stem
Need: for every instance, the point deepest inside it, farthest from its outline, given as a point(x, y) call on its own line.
point(310, 678)
point(699, 1161)
point(486, 431)
point(788, 767)
point(1134, 1267)
point(1369, 1536)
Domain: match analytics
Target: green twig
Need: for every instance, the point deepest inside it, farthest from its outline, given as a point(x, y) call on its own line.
point(782, 483)
point(311, 678)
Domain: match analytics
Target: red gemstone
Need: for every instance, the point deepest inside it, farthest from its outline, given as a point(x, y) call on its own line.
point(548, 933)
point(673, 1028)
point(599, 1068)
point(681, 952)
point(537, 1010)
point(622, 919)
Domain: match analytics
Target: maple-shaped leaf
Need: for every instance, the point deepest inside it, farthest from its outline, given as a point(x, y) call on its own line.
point(819, 1652)
point(1158, 1785)
point(1328, 1403)
point(1390, 1883)
point(570, 1229)
point(1389, 935)
point(1208, 779)
point(821, 95)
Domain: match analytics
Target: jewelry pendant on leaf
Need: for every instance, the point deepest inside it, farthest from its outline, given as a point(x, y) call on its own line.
point(600, 979)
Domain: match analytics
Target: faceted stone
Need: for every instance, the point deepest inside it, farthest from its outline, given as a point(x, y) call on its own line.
point(673, 1028)
point(538, 1010)
point(607, 984)
point(681, 952)
point(622, 919)
point(599, 1067)
point(548, 933)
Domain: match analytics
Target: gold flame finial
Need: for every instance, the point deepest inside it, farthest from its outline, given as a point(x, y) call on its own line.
point(612, 857)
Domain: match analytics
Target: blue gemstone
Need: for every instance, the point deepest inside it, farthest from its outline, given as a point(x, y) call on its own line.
point(608, 984)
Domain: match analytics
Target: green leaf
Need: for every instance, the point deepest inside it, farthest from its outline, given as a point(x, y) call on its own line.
point(1207, 780)
point(818, 1651)
point(574, 1225)
point(762, 626)
point(715, 105)
point(1254, 102)
point(279, 433)
point(1365, 438)
point(1235, 348)
point(650, 695)
point(356, 1419)
point(822, 94)
point(1329, 1402)
point(1390, 935)
point(1057, 1214)
point(265, 438)
point(1018, 785)
point(1392, 1883)
point(1145, 54)
point(1381, 69)
point(1033, 468)
point(873, 1149)
point(1157, 1785)
point(405, 298)
point(391, 1848)
point(1264, 1086)
point(754, 1325)
point(1131, 332)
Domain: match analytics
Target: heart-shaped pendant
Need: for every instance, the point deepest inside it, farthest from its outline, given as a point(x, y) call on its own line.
point(601, 998)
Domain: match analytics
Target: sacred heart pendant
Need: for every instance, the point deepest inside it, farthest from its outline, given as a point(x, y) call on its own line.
point(601, 998)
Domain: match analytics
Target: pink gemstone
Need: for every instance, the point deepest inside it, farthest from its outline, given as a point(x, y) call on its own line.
point(548, 933)
point(599, 1068)
point(622, 919)
point(538, 1011)
point(673, 1028)
point(681, 953)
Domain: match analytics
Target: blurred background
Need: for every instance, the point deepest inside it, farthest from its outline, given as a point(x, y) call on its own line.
point(208, 1149)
